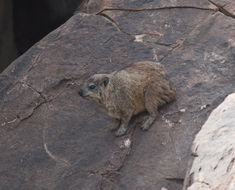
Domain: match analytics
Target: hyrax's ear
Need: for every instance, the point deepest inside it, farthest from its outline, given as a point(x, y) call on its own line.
point(106, 81)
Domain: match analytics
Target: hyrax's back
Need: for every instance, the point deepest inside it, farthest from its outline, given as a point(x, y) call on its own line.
point(140, 75)
point(144, 84)
point(147, 67)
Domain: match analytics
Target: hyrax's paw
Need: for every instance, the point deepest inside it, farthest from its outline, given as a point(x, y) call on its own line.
point(147, 124)
point(145, 127)
point(120, 132)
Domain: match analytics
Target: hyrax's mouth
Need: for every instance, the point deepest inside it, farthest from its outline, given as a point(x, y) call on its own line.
point(80, 92)
point(83, 94)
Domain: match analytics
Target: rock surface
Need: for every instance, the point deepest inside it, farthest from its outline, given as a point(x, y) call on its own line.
point(50, 138)
point(213, 147)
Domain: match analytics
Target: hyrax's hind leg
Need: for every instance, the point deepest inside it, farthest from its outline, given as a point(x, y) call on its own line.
point(151, 105)
point(156, 94)
point(147, 124)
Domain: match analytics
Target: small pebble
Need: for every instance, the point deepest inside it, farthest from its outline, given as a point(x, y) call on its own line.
point(127, 143)
point(203, 107)
point(182, 110)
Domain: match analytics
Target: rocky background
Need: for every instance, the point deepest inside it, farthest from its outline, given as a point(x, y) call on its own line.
point(50, 138)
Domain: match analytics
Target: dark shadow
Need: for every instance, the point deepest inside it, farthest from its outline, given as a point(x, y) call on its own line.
point(25, 22)
point(33, 19)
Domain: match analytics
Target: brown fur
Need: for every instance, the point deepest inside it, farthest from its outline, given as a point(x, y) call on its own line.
point(132, 90)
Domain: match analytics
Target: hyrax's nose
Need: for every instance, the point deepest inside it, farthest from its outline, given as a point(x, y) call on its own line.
point(80, 92)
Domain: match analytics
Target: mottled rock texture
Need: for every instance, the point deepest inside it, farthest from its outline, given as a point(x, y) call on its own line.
point(50, 138)
point(213, 148)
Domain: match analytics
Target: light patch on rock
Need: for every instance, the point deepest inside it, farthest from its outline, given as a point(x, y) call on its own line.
point(12, 121)
point(212, 57)
point(167, 25)
point(211, 6)
point(182, 110)
point(155, 55)
point(173, 2)
point(203, 107)
point(231, 42)
point(139, 38)
point(127, 143)
point(168, 122)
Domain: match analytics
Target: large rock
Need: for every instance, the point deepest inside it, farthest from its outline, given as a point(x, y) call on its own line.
point(213, 148)
point(50, 138)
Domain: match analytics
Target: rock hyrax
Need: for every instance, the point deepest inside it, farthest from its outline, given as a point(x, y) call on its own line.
point(127, 92)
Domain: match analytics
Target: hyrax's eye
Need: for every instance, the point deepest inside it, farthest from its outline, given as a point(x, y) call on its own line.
point(92, 86)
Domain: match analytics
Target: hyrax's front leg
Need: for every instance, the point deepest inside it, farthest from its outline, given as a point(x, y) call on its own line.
point(122, 129)
point(123, 125)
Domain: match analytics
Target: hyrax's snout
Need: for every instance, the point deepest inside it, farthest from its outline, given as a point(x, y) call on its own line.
point(80, 92)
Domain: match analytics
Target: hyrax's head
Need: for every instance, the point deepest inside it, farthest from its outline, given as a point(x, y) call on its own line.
point(94, 87)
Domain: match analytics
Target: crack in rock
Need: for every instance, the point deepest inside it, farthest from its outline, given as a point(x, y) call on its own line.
point(231, 164)
point(35, 90)
point(113, 169)
point(138, 36)
point(32, 112)
point(180, 180)
point(41, 100)
point(129, 34)
point(222, 9)
point(154, 9)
